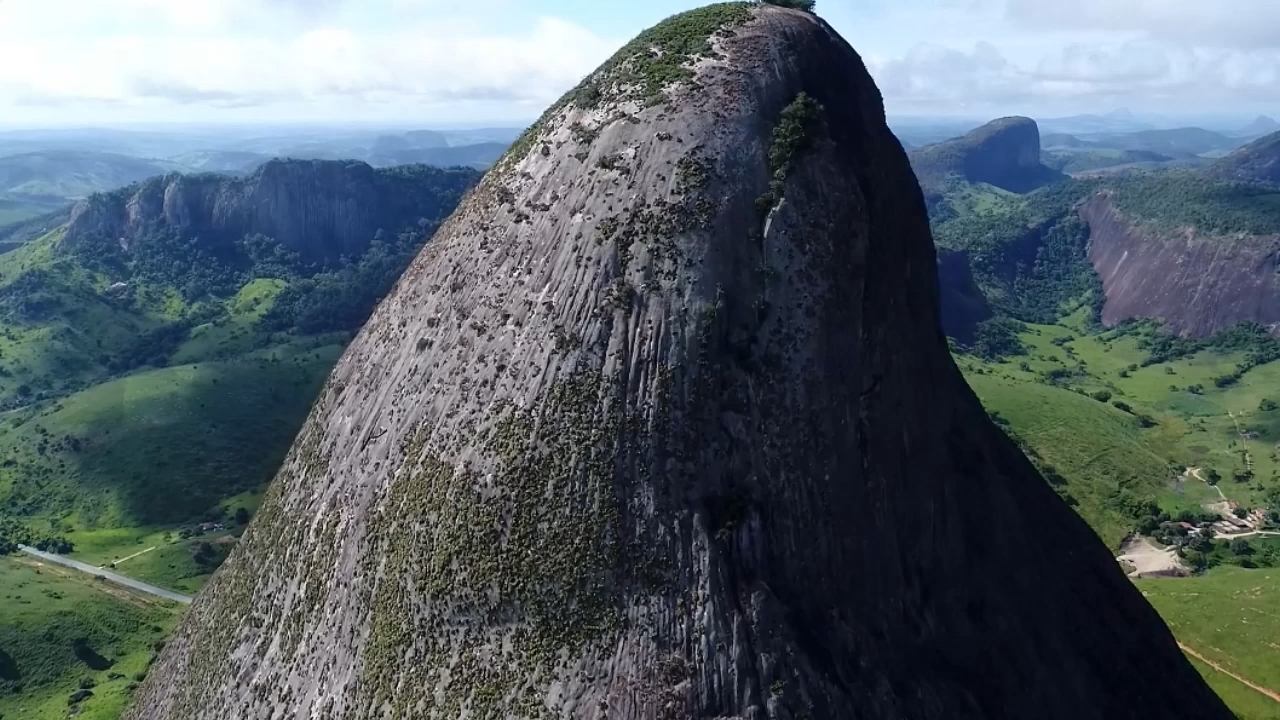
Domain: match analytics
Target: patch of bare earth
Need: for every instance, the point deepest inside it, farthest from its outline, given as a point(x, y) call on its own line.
point(1141, 558)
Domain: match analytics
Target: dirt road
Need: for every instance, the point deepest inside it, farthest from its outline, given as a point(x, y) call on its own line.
point(1269, 693)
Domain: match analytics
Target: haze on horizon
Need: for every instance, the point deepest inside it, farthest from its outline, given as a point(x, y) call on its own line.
point(437, 63)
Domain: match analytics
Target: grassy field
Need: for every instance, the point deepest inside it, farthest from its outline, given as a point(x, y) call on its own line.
point(1231, 616)
point(1060, 399)
point(60, 631)
point(1247, 703)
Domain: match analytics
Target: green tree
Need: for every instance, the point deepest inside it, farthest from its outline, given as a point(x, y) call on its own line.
point(242, 516)
point(1241, 547)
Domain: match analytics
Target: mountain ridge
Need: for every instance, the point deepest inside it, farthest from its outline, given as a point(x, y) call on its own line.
point(319, 209)
point(1259, 161)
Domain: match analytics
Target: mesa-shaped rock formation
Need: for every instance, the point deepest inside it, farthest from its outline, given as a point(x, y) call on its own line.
point(321, 209)
point(1004, 153)
point(662, 424)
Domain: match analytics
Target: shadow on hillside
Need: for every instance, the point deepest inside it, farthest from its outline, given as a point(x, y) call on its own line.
point(9, 668)
point(169, 445)
point(90, 657)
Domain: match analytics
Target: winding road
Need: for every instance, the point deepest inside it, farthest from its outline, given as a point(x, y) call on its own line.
point(106, 575)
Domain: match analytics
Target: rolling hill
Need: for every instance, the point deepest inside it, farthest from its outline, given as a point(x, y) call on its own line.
point(1259, 161)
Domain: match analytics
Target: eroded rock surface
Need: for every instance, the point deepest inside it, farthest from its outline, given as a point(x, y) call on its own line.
point(1196, 285)
point(643, 434)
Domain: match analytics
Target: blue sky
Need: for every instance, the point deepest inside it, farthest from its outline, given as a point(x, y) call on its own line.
point(443, 62)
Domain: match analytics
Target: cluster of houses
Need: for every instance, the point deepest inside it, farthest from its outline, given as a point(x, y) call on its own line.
point(1230, 523)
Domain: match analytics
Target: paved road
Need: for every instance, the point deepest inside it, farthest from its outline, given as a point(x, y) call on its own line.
point(107, 574)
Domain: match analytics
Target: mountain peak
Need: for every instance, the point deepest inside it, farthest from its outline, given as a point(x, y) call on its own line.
point(1004, 153)
point(662, 424)
point(1262, 125)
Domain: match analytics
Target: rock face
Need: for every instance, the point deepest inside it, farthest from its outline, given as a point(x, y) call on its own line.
point(1196, 285)
point(963, 305)
point(1004, 153)
point(662, 424)
point(321, 209)
point(1259, 161)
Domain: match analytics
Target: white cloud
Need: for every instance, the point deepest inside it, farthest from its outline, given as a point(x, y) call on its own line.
point(1178, 57)
point(1220, 23)
point(243, 53)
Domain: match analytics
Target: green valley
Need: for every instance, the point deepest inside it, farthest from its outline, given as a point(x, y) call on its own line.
point(1158, 420)
point(152, 379)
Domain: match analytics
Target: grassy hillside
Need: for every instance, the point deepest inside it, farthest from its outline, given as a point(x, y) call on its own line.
point(61, 632)
point(1113, 431)
point(147, 395)
point(1229, 617)
point(160, 446)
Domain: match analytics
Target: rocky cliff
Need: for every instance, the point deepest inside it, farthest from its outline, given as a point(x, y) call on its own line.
point(321, 209)
point(963, 304)
point(1259, 161)
point(1004, 153)
point(663, 425)
point(1197, 285)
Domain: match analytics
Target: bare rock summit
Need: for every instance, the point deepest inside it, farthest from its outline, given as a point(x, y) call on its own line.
point(662, 425)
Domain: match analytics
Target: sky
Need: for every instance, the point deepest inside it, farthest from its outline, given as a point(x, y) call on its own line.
point(500, 62)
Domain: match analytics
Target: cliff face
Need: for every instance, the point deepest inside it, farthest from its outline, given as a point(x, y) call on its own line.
point(643, 434)
point(963, 305)
point(1259, 161)
point(1196, 285)
point(321, 209)
point(1004, 153)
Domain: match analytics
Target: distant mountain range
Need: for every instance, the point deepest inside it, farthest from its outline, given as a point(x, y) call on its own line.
point(43, 171)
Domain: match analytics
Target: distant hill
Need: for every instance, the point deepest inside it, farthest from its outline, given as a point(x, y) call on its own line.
point(18, 233)
point(73, 174)
point(1063, 140)
point(1263, 125)
point(479, 156)
point(1001, 156)
point(1259, 161)
point(221, 161)
point(1085, 160)
point(1117, 121)
point(319, 209)
point(1177, 141)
